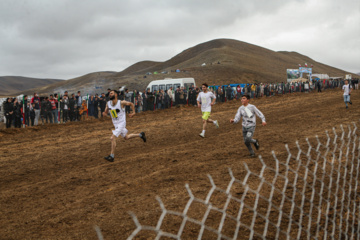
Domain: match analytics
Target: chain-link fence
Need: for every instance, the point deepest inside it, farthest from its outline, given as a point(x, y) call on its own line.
point(312, 194)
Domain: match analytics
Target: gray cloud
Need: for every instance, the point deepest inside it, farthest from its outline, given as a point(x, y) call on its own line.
point(65, 39)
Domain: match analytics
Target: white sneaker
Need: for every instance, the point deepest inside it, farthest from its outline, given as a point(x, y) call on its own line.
point(202, 135)
point(216, 124)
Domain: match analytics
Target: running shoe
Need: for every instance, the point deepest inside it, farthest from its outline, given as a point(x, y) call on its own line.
point(143, 137)
point(109, 158)
point(202, 135)
point(216, 123)
point(252, 155)
point(350, 102)
point(257, 145)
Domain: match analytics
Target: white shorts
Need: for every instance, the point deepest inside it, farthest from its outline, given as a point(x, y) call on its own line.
point(120, 131)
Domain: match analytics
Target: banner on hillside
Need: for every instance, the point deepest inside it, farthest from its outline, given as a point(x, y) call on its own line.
point(305, 70)
point(292, 74)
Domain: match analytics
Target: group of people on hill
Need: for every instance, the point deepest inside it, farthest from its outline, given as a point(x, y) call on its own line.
point(75, 107)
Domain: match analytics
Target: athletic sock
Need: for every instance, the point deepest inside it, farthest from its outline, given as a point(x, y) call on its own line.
point(203, 132)
point(140, 135)
point(112, 155)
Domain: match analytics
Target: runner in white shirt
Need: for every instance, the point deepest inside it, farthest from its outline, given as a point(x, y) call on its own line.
point(118, 115)
point(247, 112)
point(347, 88)
point(204, 101)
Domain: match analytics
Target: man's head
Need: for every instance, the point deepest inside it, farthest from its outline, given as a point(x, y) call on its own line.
point(51, 96)
point(204, 87)
point(79, 93)
point(113, 95)
point(245, 99)
point(25, 97)
point(126, 90)
point(109, 90)
point(72, 95)
point(66, 93)
point(346, 82)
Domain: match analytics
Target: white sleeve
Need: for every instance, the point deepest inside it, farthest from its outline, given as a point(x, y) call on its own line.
point(198, 98)
point(259, 114)
point(213, 96)
point(237, 116)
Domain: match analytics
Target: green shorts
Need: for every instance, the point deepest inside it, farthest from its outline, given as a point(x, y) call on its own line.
point(206, 115)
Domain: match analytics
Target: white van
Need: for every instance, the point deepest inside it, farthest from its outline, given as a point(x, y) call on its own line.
point(171, 82)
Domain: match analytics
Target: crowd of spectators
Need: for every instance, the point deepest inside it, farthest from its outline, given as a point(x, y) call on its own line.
point(75, 107)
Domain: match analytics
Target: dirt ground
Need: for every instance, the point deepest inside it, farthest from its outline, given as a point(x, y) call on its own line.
point(55, 184)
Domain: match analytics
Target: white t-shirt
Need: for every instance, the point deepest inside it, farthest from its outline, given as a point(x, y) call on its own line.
point(205, 100)
point(346, 89)
point(117, 114)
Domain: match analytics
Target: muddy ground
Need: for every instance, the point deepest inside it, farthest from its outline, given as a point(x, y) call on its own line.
point(55, 184)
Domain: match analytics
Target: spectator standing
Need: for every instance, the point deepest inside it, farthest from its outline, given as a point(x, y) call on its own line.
point(170, 94)
point(102, 103)
point(228, 93)
point(144, 97)
point(72, 107)
point(53, 102)
point(96, 106)
point(219, 94)
point(150, 100)
point(57, 110)
point(347, 88)
point(43, 113)
point(138, 102)
point(17, 113)
point(83, 110)
point(65, 102)
point(91, 106)
point(36, 100)
point(27, 110)
point(32, 114)
point(107, 94)
point(128, 99)
point(79, 101)
point(182, 96)
point(9, 112)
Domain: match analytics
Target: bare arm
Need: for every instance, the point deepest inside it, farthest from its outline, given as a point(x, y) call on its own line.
point(125, 103)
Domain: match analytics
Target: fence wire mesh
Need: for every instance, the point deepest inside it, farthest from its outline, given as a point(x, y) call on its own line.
point(312, 194)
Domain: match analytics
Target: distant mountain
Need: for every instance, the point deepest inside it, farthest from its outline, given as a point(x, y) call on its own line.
point(12, 84)
point(226, 61)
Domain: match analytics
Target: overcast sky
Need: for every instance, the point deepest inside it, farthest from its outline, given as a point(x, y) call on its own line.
point(64, 39)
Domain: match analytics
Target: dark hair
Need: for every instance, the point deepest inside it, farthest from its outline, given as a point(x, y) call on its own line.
point(78, 91)
point(246, 95)
point(205, 84)
point(25, 96)
point(51, 95)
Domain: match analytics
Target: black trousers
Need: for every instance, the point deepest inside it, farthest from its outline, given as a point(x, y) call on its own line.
point(9, 119)
point(65, 115)
point(18, 121)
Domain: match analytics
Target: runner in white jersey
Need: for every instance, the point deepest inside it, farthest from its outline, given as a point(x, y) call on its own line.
point(118, 115)
point(247, 112)
point(204, 101)
point(347, 88)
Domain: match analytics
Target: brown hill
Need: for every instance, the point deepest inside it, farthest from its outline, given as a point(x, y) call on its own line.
point(12, 84)
point(227, 61)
